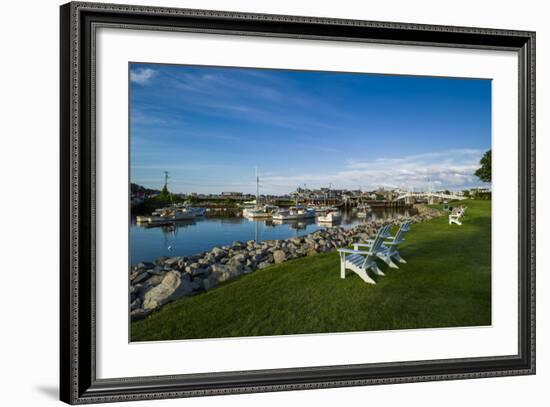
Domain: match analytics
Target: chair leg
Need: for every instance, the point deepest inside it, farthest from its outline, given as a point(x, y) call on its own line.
point(387, 259)
point(399, 258)
point(365, 277)
point(391, 263)
point(377, 270)
point(342, 270)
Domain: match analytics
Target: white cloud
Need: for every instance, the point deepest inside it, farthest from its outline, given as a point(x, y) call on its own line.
point(142, 76)
point(453, 170)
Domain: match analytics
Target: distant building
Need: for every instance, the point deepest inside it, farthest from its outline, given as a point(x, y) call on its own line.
point(387, 194)
point(232, 195)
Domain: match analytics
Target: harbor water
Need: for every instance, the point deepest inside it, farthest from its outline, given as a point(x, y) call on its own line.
point(185, 238)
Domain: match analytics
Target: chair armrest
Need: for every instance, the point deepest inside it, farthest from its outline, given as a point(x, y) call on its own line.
point(351, 251)
point(364, 244)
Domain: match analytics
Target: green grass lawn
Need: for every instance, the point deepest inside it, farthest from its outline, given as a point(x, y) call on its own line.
point(445, 283)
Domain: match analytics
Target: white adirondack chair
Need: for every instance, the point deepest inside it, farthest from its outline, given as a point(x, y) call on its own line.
point(360, 261)
point(456, 215)
point(388, 250)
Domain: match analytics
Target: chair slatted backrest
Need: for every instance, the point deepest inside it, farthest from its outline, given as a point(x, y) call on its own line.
point(402, 229)
point(378, 240)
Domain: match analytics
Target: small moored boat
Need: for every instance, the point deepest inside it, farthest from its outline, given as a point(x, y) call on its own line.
point(333, 216)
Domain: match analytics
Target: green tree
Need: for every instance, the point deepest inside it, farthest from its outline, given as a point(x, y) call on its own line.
point(484, 172)
point(164, 194)
point(466, 193)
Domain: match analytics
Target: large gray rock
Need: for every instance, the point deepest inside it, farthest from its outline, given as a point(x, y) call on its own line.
point(223, 276)
point(237, 245)
point(156, 280)
point(141, 277)
point(157, 270)
point(172, 261)
point(218, 268)
point(200, 271)
point(263, 265)
point(171, 288)
point(192, 267)
point(135, 304)
point(311, 251)
point(239, 258)
point(235, 270)
point(209, 283)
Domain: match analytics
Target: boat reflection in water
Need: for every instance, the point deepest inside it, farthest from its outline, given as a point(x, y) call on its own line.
point(296, 224)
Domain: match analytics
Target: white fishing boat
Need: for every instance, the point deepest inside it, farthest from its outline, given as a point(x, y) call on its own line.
point(192, 209)
point(167, 215)
point(333, 216)
point(294, 212)
point(259, 211)
point(264, 212)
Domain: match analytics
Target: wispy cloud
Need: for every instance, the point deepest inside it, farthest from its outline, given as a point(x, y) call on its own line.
point(452, 170)
point(244, 95)
point(138, 117)
point(142, 76)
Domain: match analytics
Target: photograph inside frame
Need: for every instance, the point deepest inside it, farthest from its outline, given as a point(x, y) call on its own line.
point(279, 202)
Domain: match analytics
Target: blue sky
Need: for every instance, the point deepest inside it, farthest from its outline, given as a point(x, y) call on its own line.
point(210, 127)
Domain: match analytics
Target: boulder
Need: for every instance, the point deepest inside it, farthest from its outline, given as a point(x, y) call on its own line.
point(141, 277)
point(160, 260)
point(218, 268)
point(171, 288)
point(156, 280)
point(135, 304)
point(239, 258)
point(311, 251)
point(196, 283)
point(192, 267)
point(223, 276)
point(172, 261)
point(157, 270)
point(263, 265)
point(237, 245)
point(200, 271)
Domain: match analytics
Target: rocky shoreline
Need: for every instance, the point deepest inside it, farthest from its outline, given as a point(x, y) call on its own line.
point(169, 278)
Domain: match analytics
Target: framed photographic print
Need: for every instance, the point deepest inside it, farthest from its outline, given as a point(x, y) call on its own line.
point(256, 203)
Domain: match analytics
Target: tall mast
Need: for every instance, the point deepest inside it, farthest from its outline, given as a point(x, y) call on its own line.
point(257, 189)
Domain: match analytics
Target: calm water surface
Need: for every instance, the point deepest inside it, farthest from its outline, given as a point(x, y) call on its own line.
point(188, 238)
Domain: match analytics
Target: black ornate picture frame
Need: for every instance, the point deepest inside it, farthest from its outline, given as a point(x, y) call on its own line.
point(79, 383)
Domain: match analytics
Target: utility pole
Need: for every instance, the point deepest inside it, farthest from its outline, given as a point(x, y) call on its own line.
point(166, 179)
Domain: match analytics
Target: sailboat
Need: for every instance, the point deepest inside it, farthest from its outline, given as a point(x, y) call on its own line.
point(259, 211)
